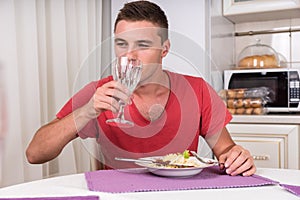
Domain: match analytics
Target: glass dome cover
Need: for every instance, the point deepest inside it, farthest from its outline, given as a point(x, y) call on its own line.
point(258, 56)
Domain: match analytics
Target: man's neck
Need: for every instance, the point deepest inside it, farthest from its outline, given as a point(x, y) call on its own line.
point(158, 84)
point(151, 98)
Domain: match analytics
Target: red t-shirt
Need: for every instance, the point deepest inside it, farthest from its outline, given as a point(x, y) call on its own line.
point(193, 109)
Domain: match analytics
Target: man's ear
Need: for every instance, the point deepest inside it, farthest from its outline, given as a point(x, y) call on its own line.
point(165, 48)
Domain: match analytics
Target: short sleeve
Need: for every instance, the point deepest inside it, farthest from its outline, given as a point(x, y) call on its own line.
point(78, 100)
point(82, 97)
point(214, 113)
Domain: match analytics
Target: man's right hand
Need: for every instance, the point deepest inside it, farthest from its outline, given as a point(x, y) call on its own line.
point(107, 97)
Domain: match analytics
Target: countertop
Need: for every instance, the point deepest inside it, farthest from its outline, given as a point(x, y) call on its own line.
point(267, 119)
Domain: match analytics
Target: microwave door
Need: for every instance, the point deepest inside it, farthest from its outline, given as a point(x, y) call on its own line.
point(276, 81)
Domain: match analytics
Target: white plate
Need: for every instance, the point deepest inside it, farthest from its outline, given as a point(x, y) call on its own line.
point(173, 172)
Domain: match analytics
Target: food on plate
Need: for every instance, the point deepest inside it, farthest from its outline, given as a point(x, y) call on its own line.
point(186, 154)
point(177, 160)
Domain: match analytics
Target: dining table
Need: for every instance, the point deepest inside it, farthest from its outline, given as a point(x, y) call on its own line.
point(118, 185)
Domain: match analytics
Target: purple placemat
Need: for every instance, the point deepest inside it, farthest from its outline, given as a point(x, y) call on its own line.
point(115, 181)
point(295, 189)
point(54, 198)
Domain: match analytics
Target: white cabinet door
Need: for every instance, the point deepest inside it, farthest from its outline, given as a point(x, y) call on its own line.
point(271, 145)
point(267, 152)
point(260, 10)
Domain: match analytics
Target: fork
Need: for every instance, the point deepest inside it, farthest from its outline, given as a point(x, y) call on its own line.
point(135, 160)
point(157, 162)
point(202, 160)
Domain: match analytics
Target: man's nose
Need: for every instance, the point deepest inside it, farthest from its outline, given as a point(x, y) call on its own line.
point(132, 54)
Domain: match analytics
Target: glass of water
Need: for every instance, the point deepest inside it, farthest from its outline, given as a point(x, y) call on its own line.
point(127, 72)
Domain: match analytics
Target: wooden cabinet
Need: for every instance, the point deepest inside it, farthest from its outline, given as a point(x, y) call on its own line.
point(272, 145)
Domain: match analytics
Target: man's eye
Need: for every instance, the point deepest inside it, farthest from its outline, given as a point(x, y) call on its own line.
point(121, 44)
point(143, 46)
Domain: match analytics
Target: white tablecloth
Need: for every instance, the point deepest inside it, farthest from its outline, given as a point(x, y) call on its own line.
point(75, 185)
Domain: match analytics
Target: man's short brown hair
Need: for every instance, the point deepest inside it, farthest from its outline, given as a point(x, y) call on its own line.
point(145, 11)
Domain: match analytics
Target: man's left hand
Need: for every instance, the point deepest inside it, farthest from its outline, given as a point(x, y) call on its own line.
point(237, 161)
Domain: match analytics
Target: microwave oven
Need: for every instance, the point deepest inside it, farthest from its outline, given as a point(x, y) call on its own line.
point(284, 84)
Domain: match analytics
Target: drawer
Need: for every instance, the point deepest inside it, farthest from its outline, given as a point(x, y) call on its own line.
point(272, 145)
point(267, 152)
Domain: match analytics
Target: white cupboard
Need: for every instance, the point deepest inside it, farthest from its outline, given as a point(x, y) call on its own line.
point(260, 10)
point(271, 145)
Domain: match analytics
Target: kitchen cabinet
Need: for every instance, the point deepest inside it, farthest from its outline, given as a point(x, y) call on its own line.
point(260, 10)
point(271, 145)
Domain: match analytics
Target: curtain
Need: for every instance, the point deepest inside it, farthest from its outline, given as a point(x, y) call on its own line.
point(43, 44)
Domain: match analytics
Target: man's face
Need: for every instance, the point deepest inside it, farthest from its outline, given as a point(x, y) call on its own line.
point(139, 40)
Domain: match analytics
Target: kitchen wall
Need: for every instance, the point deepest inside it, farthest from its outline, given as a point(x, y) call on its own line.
point(221, 40)
point(287, 43)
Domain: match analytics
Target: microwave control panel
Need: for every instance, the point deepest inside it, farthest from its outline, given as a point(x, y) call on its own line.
point(294, 87)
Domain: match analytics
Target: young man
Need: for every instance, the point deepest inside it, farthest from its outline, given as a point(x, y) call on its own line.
point(169, 110)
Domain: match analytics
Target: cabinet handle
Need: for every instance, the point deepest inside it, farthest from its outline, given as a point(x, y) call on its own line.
point(261, 157)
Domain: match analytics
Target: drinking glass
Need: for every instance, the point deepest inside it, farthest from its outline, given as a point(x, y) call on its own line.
point(127, 72)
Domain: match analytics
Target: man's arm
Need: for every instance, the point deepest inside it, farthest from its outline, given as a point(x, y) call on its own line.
point(234, 158)
point(51, 138)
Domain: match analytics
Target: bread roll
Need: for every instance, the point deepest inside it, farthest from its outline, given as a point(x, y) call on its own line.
point(247, 102)
point(258, 111)
point(258, 61)
point(231, 94)
point(239, 103)
point(248, 111)
point(256, 103)
point(230, 103)
point(240, 93)
point(231, 110)
point(269, 61)
point(240, 111)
